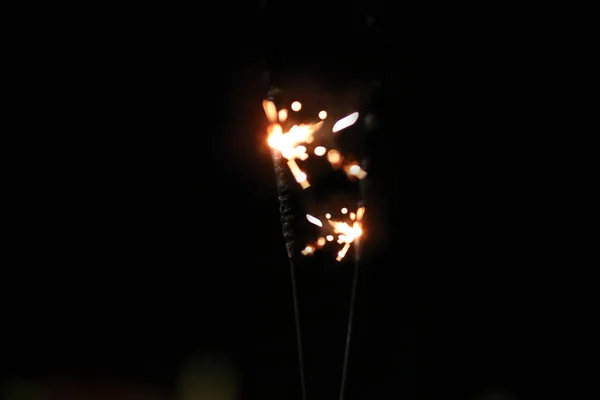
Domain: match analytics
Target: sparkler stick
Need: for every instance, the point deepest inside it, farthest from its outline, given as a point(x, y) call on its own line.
point(370, 125)
point(284, 192)
point(357, 253)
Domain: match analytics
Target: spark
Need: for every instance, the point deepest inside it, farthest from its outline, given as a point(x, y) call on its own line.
point(283, 114)
point(344, 210)
point(314, 220)
point(289, 143)
point(329, 238)
point(320, 150)
point(301, 152)
point(298, 174)
point(346, 235)
point(323, 114)
point(328, 216)
point(345, 122)
point(360, 213)
point(321, 242)
point(296, 106)
point(356, 171)
point(308, 250)
point(334, 157)
point(270, 110)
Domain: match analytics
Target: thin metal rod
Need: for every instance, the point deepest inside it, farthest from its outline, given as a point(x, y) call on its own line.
point(350, 318)
point(298, 331)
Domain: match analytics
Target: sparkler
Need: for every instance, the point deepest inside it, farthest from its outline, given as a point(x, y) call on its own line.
point(284, 147)
point(291, 145)
point(348, 232)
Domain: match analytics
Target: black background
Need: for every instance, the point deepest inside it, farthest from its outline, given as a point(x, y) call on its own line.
point(172, 246)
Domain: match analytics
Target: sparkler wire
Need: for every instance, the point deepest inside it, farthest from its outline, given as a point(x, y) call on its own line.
point(298, 331)
point(351, 316)
point(286, 214)
point(357, 261)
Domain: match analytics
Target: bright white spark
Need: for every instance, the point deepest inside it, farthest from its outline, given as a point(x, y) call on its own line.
point(314, 220)
point(345, 122)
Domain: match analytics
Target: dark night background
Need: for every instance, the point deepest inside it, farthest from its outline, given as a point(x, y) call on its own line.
point(172, 249)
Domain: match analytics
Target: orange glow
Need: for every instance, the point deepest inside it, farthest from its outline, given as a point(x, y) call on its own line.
point(301, 152)
point(296, 106)
point(342, 252)
point(334, 157)
point(323, 114)
point(307, 250)
point(360, 213)
point(289, 143)
point(347, 235)
point(300, 176)
point(270, 110)
point(356, 171)
point(283, 114)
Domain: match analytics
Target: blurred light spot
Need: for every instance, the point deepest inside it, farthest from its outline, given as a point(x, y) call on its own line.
point(345, 122)
point(314, 220)
point(320, 150)
point(283, 114)
point(334, 157)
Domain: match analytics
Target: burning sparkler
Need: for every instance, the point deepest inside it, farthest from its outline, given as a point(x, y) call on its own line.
point(291, 146)
point(347, 232)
